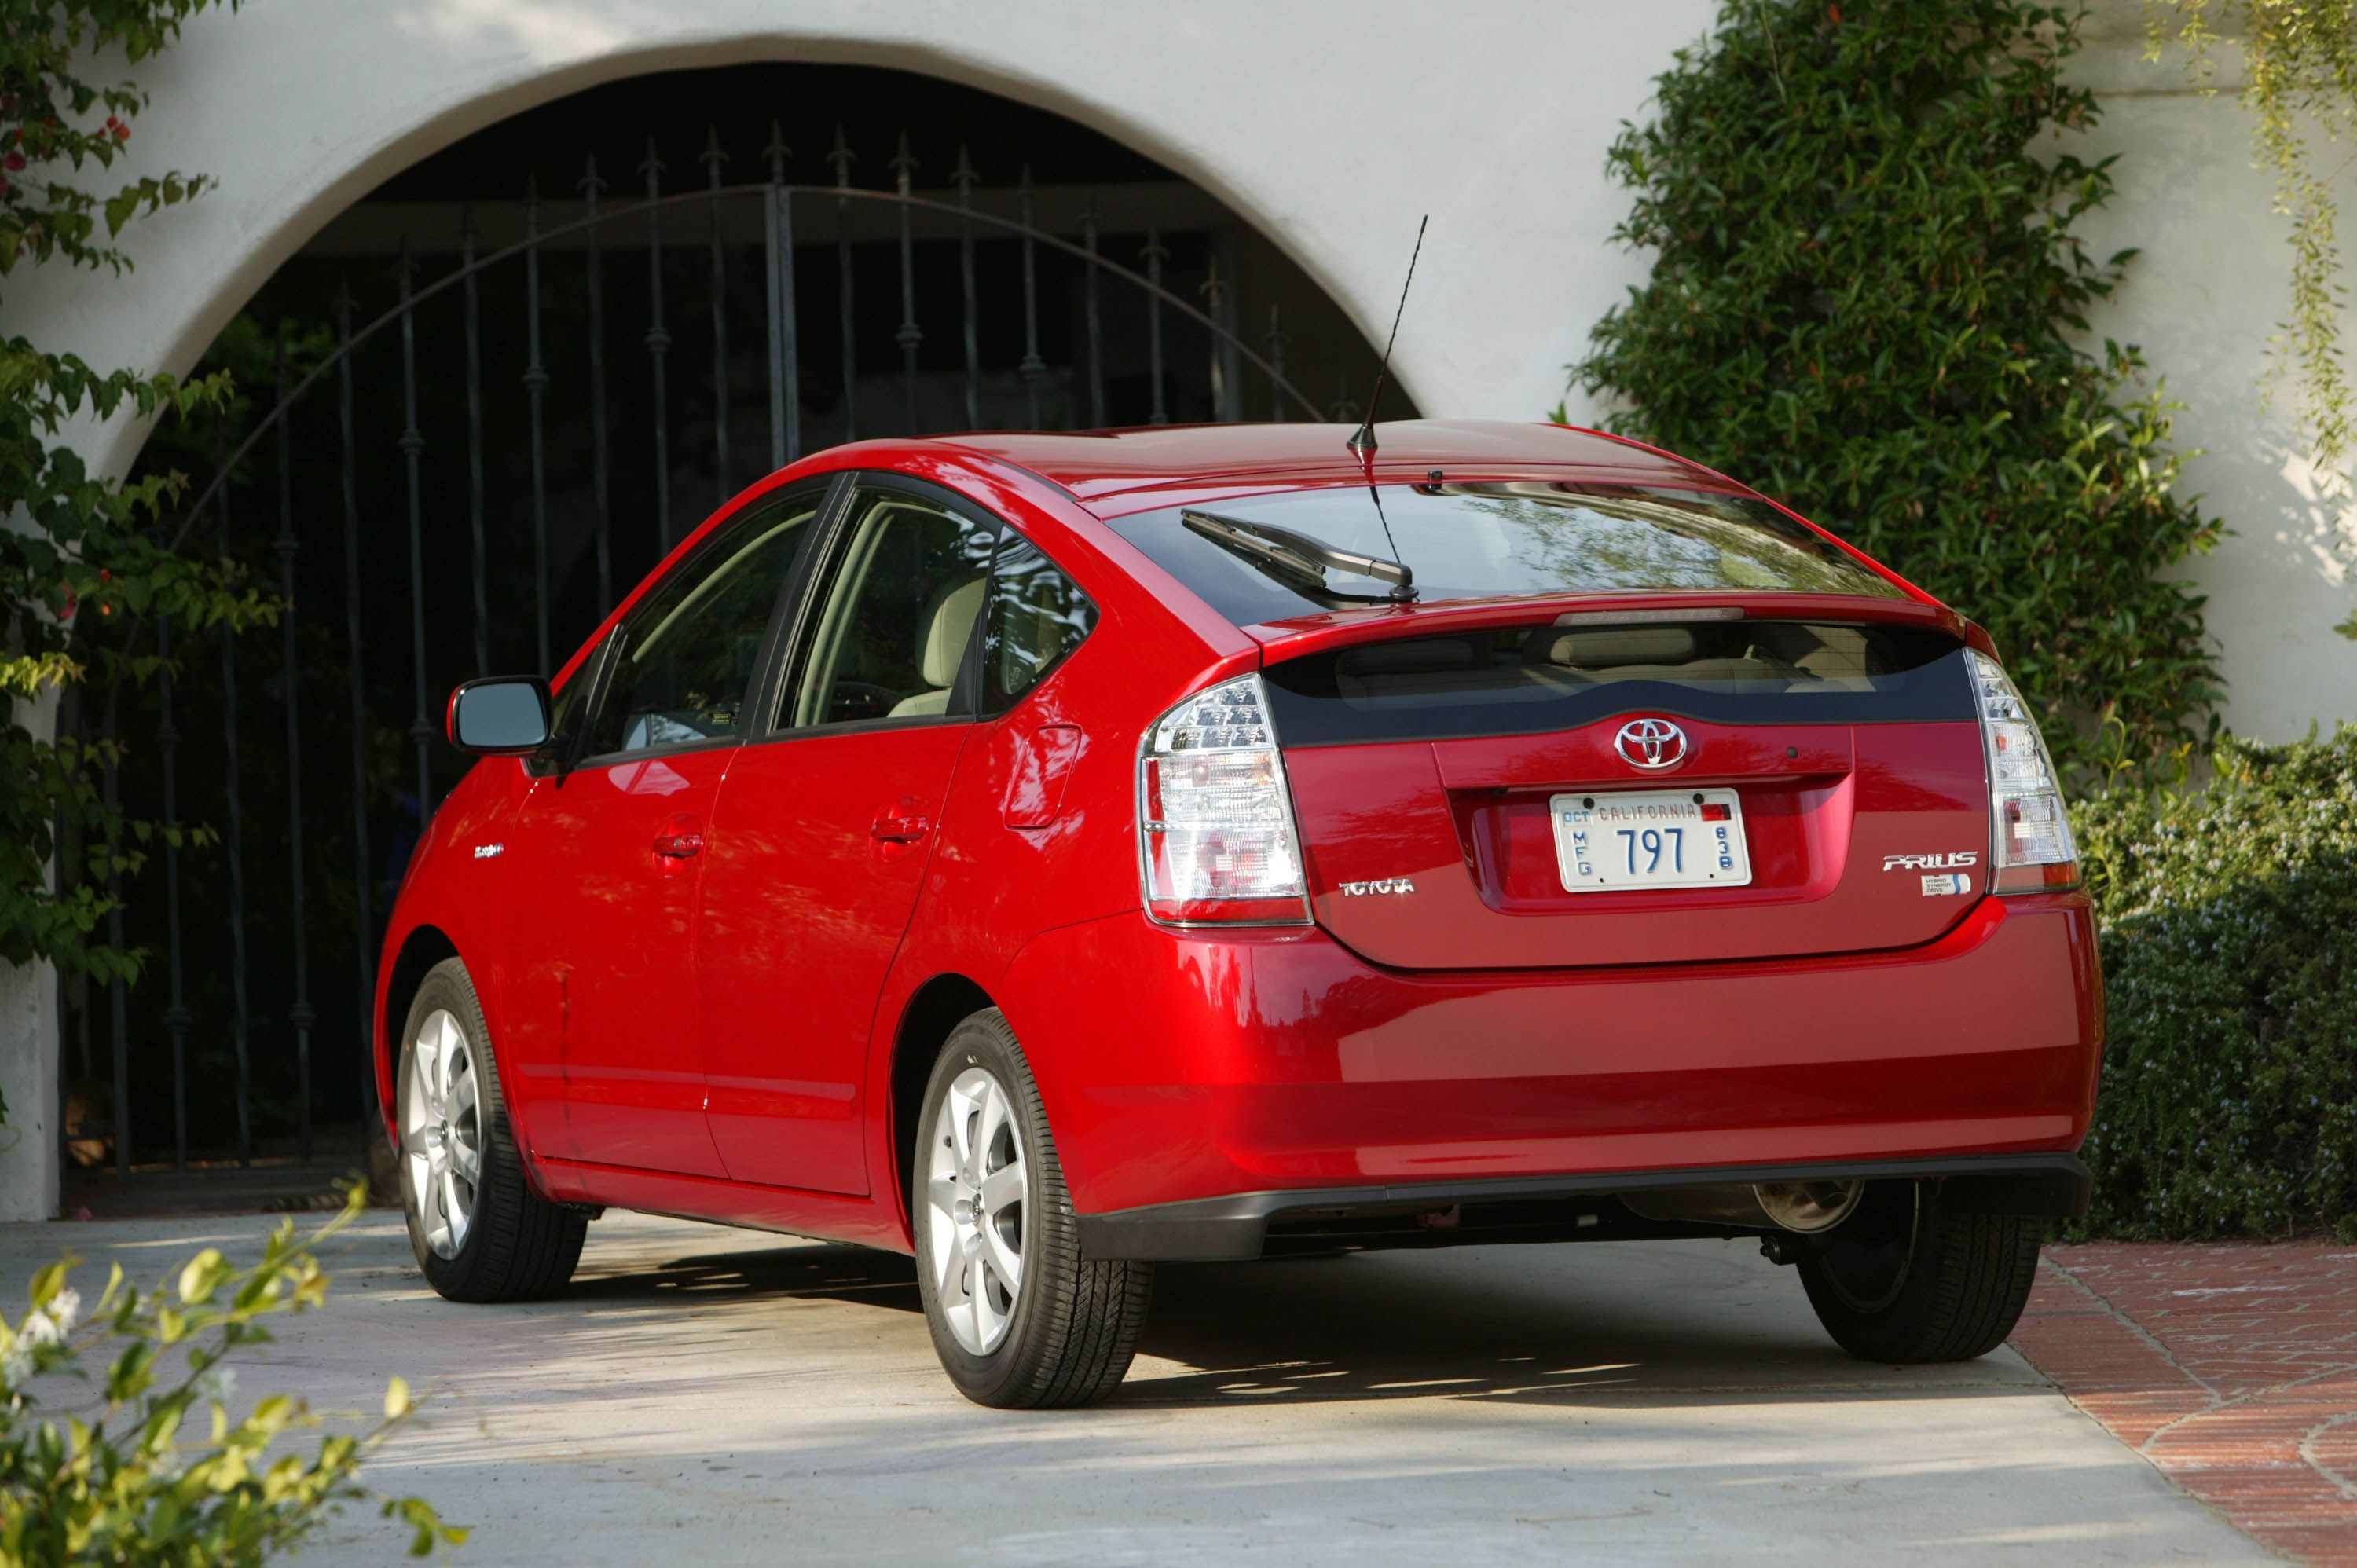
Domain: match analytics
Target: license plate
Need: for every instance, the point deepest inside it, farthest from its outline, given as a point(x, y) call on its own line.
point(1650, 838)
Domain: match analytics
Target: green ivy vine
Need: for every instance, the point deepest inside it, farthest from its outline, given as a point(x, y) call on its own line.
point(78, 553)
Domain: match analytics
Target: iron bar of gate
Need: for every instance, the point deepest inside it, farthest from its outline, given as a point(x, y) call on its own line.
point(712, 159)
point(118, 1000)
point(535, 386)
point(658, 342)
point(908, 336)
point(363, 918)
point(1153, 254)
point(176, 1013)
point(963, 177)
point(1214, 294)
point(299, 1015)
point(234, 844)
point(413, 451)
point(212, 498)
point(204, 494)
point(1033, 367)
point(785, 371)
point(1095, 315)
point(1276, 366)
point(479, 562)
point(842, 158)
point(590, 186)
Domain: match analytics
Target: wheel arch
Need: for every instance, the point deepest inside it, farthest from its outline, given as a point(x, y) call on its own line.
point(935, 1008)
point(420, 951)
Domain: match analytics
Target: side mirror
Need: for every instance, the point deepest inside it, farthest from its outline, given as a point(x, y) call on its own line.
point(500, 715)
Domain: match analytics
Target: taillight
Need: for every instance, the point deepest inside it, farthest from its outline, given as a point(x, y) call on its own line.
point(1215, 826)
point(2032, 849)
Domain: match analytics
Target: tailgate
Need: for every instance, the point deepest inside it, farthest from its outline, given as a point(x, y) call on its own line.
point(1451, 790)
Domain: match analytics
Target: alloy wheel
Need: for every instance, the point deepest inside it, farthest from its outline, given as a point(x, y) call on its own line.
point(976, 1209)
point(442, 1133)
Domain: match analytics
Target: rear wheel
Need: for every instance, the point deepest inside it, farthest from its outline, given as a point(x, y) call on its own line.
point(1905, 1279)
point(1019, 1318)
point(479, 1231)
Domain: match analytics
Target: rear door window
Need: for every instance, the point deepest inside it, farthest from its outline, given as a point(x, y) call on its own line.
point(1498, 540)
point(900, 600)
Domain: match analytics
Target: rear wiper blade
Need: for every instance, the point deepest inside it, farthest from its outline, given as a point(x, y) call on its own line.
point(1296, 557)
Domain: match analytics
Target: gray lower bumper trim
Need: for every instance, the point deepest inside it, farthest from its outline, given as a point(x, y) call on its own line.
point(1235, 1226)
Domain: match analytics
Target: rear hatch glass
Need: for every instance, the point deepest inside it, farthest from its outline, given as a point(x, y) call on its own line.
point(1471, 800)
point(1498, 540)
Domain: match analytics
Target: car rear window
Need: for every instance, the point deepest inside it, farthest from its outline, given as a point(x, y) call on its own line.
point(1480, 542)
point(1559, 674)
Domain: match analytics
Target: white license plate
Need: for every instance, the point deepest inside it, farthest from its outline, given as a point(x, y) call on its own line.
point(1650, 838)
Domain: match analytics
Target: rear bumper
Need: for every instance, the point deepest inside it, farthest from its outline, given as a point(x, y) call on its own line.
point(1540, 1208)
point(1267, 1069)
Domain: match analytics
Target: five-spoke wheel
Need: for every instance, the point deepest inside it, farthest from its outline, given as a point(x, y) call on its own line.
point(974, 1203)
point(479, 1231)
point(1017, 1315)
point(442, 1131)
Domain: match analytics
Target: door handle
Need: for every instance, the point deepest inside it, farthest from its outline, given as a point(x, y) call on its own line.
point(680, 843)
point(902, 824)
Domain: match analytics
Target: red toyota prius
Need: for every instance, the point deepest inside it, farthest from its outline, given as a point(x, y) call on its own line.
point(1054, 854)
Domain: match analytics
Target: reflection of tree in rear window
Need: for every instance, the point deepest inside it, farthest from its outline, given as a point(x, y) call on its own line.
point(1502, 540)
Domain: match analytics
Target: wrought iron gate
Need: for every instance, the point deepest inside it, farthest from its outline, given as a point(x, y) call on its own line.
point(230, 1021)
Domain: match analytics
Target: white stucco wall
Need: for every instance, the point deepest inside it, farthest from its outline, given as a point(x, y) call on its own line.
point(28, 1065)
point(1328, 126)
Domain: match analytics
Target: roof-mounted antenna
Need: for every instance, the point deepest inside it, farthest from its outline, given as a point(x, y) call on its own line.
point(1363, 440)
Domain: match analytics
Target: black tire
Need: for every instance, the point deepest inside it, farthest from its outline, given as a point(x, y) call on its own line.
point(1074, 1322)
point(1904, 1280)
point(517, 1245)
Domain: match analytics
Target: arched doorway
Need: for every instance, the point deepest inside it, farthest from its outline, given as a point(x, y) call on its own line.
point(482, 401)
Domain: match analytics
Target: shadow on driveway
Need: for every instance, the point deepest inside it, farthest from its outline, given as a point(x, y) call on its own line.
point(1522, 1324)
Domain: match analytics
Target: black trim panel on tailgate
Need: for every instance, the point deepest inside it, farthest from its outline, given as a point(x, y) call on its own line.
point(1503, 683)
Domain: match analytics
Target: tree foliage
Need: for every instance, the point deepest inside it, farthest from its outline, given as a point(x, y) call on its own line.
point(76, 550)
point(1867, 300)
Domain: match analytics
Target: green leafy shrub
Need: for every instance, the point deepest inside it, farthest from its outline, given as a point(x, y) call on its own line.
point(118, 1480)
point(2229, 1102)
point(1863, 301)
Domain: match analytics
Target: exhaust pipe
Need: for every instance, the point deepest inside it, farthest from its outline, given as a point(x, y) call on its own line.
point(1802, 1207)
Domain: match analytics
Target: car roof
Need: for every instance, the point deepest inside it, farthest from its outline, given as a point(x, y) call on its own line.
point(1118, 471)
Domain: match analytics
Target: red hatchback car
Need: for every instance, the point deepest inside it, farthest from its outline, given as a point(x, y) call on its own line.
point(1053, 855)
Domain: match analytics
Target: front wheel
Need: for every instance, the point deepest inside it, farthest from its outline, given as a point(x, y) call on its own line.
point(1019, 1318)
point(1905, 1279)
point(479, 1231)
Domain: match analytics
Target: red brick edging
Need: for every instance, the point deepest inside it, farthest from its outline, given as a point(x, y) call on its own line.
point(2232, 1366)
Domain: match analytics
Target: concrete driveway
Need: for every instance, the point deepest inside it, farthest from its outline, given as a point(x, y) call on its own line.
point(709, 1396)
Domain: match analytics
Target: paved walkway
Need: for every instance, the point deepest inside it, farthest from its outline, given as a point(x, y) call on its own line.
point(2231, 1368)
point(715, 1397)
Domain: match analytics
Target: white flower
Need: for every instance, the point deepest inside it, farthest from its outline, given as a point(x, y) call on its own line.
point(40, 1329)
point(15, 1366)
point(213, 1385)
point(64, 1309)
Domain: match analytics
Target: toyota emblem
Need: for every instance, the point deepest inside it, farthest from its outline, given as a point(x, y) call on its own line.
point(1651, 744)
